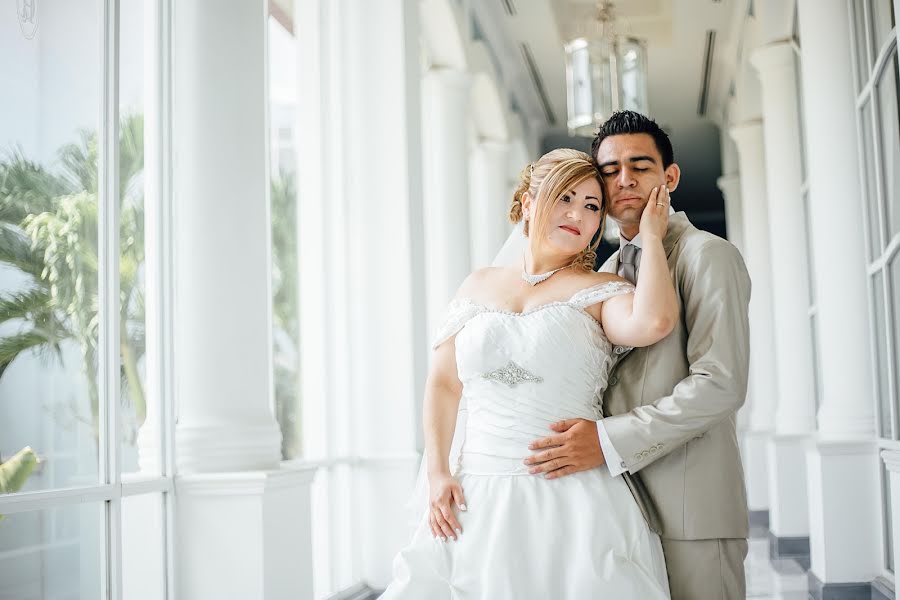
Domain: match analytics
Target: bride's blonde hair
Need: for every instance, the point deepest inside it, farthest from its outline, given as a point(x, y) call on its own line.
point(547, 180)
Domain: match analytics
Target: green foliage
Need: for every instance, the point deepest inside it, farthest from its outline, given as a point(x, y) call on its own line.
point(49, 232)
point(286, 310)
point(15, 472)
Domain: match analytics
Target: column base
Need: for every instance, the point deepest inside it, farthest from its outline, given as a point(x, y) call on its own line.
point(819, 590)
point(754, 457)
point(788, 505)
point(216, 448)
point(795, 548)
point(842, 480)
point(882, 589)
point(245, 535)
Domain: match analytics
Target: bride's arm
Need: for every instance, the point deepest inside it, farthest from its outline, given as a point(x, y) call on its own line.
point(443, 390)
point(650, 314)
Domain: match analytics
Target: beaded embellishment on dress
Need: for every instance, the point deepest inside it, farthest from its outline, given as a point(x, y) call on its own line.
point(512, 374)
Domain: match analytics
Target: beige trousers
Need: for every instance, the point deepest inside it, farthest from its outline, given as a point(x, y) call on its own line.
point(706, 569)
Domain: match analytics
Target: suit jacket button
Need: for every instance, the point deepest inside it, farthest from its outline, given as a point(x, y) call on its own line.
point(637, 456)
point(613, 380)
point(654, 450)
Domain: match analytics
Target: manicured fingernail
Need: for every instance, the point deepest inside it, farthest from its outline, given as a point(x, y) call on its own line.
point(459, 532)
point(462, 507)
point(532, 471)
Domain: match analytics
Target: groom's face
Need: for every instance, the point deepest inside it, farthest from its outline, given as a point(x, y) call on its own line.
point(630, 167)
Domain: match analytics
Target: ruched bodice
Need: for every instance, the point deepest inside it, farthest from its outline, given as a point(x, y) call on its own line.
point(522, 372)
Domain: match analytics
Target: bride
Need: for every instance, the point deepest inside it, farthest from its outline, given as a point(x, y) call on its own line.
point(525, 347)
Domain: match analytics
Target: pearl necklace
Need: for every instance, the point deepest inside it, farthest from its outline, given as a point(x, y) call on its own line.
point(539, 277)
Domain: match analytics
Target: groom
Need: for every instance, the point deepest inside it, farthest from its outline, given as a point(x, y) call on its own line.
point(670, 408)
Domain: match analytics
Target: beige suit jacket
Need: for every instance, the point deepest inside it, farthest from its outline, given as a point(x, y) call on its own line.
point(672, 406)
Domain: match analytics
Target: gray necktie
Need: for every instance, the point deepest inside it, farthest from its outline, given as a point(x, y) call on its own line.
point(629, 258)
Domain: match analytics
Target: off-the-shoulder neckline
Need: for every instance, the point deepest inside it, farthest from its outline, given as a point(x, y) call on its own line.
point(569, 302)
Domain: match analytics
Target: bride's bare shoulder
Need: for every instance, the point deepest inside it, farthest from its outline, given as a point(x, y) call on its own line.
point(590, 278)
point(483, 279)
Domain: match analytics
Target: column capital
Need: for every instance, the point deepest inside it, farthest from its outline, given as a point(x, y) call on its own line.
point(494, 145)
point(747, 132)
point(729, 183)
point(779, 55)
point(891, 460)
point(845, 446)
point(450, 77)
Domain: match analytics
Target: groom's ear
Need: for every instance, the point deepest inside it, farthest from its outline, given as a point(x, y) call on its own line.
point(673, 176)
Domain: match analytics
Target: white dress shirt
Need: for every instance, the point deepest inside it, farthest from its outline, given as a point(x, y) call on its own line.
point(614, 459)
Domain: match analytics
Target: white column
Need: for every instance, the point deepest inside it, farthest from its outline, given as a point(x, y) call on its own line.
point(362, 254)
point(225, 421)
point(762, 391)
point(842, 479)
point(794, 415)
point(445, 97)
point(243, 524)
point(846, 403)
point(489, 201)
point(730, 185)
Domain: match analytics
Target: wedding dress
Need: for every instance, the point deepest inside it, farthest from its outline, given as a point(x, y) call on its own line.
point(524, 537)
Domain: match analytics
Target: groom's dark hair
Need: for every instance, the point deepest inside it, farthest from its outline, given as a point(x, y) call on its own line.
point(627, 121)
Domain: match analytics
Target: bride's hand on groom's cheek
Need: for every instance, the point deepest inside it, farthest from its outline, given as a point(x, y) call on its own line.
point(574, 447)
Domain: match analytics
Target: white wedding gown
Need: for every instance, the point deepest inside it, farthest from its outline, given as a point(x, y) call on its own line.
point(524, 537)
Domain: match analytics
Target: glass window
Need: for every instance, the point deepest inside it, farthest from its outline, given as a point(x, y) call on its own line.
point(283, 196)
point(890, 143)
point(143, 544)
point(52, 553)
point(48, 242)
point(894, 300)
point(870, 184)
point(882, 21)
point(888, 519)
point(798, 80)
point(138, 190)
point(817, 371)
point(863, 63)
point(882, 384)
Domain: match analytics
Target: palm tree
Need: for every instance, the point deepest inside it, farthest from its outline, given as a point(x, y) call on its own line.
point(49, 234)
point(286, 310)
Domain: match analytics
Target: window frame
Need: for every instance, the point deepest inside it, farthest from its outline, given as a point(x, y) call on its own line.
point(112, 485)
point(878, 61)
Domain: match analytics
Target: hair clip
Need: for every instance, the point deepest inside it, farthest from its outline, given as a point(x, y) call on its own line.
point(532, 168)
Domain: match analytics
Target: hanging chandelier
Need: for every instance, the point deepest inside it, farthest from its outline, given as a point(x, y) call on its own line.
point(605, 72)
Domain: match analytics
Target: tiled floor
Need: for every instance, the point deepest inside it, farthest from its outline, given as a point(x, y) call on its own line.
point(777, 579)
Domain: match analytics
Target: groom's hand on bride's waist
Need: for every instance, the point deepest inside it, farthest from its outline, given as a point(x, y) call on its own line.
point(573, 447)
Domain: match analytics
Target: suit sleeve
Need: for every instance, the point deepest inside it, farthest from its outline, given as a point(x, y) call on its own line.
point(715, 290)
